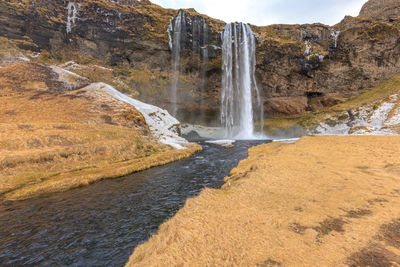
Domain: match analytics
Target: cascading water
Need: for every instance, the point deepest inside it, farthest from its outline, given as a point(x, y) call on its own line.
point(204, 56)
point(240, 98)
point(72, 15)
point(186, 33)
point(179, 27)
point(335, 35)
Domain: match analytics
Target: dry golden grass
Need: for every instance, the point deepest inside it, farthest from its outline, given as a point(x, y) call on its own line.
point(52, 140)
point(324, 201)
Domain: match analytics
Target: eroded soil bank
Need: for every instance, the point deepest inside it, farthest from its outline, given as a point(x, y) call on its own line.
point(323, 201)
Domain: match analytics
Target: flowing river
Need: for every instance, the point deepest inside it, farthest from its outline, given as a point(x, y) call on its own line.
point(101, 224)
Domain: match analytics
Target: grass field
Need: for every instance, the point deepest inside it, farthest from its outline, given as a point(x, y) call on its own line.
point(323, 201)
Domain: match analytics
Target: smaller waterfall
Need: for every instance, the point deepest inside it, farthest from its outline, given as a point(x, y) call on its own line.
point(335, 35)
point(307, 52)
point(71, 18)
point(185, 33)
point(241, 103)
point(177, 41)
point(204, 56)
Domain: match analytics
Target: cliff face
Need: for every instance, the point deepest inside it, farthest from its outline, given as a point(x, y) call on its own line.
point(306, 67)
point(131, 36)
point(300, 68)
point(388, 10)
point(104, 29)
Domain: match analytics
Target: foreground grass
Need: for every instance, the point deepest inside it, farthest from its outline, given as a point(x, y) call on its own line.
point(324, 201)
point(43, 182)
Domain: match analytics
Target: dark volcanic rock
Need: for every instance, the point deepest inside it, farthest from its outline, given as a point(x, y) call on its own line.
point(299, 68)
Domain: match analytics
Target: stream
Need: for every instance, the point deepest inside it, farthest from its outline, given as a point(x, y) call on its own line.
point(101, 224)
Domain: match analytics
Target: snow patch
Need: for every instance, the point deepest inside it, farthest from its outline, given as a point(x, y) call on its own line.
point(7, 58)
point(365, 120)
point(71, 81)
point(286, 140)
point(72, 66)
point(162, 125)
point(203, 131)
point(381, 114)
point(224, 143)
point(395, 119)
point(339, 129)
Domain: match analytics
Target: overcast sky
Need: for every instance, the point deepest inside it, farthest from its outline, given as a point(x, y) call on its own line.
point(266, 12)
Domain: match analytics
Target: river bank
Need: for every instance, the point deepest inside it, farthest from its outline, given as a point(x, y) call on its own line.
point(101, 224)
point(325, 201)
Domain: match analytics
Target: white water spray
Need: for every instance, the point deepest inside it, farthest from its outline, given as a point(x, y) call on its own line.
point(239, 87)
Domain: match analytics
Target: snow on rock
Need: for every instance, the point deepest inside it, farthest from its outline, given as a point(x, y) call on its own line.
point(203, 131)
point(7, 58)
point(286, 140)
point(70, 80)
point(325, 129)
point(381, 114)
point(364, 120)
point(73, 66)
point(224, 143)
point(394, 120)
point(162, 125)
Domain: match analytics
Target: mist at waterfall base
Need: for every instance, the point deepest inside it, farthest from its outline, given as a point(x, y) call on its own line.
point(241, 105)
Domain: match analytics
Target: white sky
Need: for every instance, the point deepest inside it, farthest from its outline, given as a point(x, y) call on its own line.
point(266, 12)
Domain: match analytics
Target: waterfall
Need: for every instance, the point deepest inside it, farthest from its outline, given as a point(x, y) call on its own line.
point(239, 87)
point(185, 33)
point(179, 27)
point(71, 18)
point(204, 65)
point(335, 35)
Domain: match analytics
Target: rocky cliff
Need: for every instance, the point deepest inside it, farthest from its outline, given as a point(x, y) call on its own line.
point(300, 68)
point(306, 67)
point(387, 10)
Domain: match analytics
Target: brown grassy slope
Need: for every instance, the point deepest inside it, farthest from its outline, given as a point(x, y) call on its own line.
point(52, 140)
point(324, 201)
